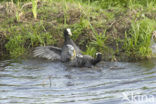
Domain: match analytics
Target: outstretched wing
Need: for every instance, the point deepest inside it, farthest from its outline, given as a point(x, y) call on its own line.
point(48, 52)
point(77, 49)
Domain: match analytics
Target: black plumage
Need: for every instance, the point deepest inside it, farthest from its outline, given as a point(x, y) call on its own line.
point(48, 52)
point(68, 40)
point(86, 60)
point(54, 53)
point(70, 53)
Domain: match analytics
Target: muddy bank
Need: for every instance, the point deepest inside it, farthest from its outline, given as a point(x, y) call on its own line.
point(110, 31)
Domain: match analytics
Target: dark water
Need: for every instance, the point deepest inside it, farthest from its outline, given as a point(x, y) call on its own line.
point(35, 81)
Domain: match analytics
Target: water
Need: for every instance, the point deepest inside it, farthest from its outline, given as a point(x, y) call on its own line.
point(34, 81)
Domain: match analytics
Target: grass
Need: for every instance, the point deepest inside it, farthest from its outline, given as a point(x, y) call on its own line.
point(34, 8)
point(65, 8)
point(18, 12)
point(20, 42)
point(115, 28)
point(138, 45)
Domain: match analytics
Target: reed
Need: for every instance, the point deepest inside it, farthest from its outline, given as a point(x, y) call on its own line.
point(34, 8)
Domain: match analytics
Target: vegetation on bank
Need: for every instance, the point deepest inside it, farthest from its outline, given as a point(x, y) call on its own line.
point(121, 30)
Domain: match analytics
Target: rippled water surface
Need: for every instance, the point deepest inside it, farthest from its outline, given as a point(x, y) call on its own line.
point(44, 82)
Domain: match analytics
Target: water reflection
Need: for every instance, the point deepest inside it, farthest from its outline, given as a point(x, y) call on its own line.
point(42, 81)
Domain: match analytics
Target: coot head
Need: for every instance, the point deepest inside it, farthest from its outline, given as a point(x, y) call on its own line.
point(67, 32)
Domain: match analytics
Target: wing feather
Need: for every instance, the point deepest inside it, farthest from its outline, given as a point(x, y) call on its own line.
point(48, 52)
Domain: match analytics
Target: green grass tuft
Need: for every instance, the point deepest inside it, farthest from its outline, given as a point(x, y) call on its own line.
point(138, 43)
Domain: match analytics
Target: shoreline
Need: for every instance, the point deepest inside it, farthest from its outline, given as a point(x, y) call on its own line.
point(119, 33)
